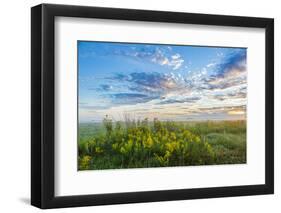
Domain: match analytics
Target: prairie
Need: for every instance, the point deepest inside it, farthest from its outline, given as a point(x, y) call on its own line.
point(144, 143)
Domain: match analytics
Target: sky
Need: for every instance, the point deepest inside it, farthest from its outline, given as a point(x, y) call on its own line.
point(163, 81)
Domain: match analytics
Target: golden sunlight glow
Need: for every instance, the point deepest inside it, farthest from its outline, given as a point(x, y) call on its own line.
point(236, 112)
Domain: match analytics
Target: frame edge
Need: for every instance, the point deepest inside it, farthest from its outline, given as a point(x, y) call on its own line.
point(269, 104)
point(36, 50)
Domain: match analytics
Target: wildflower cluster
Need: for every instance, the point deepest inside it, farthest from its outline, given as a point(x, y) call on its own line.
point(144, 144)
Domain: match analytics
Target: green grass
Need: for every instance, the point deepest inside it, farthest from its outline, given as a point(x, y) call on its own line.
point(142, 144)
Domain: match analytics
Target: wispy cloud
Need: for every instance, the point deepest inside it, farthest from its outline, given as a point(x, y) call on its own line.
point(153, 80)
point(106, 87)
point(230, 72)
point(149, 81)
point(161, 55)
point(174, 61)
point(180, 100)
point(130, 98)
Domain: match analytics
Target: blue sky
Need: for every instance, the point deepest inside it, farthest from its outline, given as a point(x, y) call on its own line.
point(168, 82)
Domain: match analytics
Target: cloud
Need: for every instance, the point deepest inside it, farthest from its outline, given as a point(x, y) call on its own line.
point(182, 100)
point(223, 83)
point(153, 80)
point(176, 56)
point(231, 95)
point(118, 76)
point(105, 87)
point(222, 109)
point(210, 65)
point(150, 81)
point(174, 61)
point(101, 88)
point(146, 86)
point(236, 61)
point(158, 55)
point(130, 98)
point(232, 71)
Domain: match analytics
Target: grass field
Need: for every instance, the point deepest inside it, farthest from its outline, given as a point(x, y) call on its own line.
point(142, 144)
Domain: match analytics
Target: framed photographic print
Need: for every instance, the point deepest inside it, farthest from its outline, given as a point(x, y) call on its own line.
point(139, 106)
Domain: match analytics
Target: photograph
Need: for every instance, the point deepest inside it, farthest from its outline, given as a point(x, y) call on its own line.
point(143, 105)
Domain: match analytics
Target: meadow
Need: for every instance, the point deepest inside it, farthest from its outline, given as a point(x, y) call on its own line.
point(144, 143)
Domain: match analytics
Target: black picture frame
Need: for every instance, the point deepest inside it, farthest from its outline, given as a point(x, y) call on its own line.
point(43, 102)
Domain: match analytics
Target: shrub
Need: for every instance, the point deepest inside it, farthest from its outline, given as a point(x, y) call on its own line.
point(84, 162)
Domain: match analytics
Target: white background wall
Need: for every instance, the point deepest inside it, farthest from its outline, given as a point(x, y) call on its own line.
point(15, 105)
